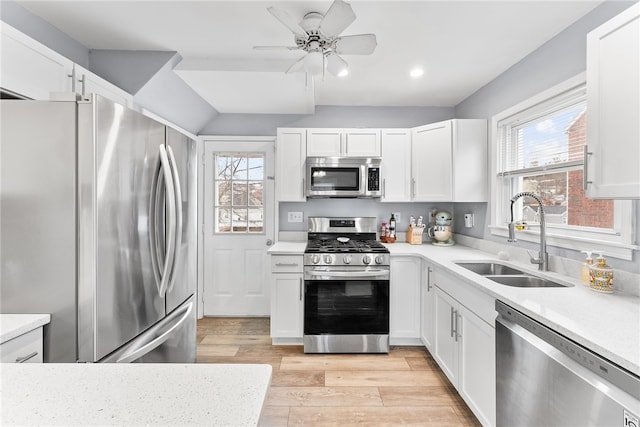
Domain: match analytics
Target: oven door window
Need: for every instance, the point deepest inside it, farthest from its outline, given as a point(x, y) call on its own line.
point(338, 179)
point(346, 307)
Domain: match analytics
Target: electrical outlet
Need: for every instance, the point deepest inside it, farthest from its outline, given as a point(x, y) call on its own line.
point(397, 215)
point(294, 216)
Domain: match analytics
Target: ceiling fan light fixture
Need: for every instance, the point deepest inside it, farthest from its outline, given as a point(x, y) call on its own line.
point(344, 72)
point(416, 72)
point(314, 63)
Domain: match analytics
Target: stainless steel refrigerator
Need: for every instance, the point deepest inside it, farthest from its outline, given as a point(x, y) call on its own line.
point(98, 228)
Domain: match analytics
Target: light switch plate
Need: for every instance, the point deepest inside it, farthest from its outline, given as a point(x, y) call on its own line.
point(294, 216)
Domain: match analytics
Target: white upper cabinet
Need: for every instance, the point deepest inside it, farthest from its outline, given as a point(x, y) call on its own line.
point(613, 106)
point(328, 142)
point(31, 69)
point(87, 82)
point(396, 165)
point(449, 161)
point(291, 146)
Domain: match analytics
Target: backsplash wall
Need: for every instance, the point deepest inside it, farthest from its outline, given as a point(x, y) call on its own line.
point(360, 207)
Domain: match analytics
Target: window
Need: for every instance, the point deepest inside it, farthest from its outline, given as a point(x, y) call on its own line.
point(540, 148)
point(239, 185)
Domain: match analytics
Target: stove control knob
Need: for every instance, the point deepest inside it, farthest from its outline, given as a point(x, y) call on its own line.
point(347, 259)
point(315, 259)
point(379, 259)
point(366, 259)
point(328, 259)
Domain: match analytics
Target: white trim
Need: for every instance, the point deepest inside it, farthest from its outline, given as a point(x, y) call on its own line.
point(618, 245)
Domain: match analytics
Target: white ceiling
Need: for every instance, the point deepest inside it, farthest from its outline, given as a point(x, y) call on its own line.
point(462, 45)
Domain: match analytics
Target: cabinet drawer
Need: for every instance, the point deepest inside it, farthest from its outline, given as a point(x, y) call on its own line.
point(23, 346)
point(286, 263)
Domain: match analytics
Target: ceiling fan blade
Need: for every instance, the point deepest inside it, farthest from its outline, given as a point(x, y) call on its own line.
point(335, 64)
point(288, 22)
point(276, 47)
point(360, 44)
point(339, 16)
point(297, 66)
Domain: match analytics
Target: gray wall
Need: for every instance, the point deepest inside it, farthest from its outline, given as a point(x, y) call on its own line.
point(327, 116)
point(562, 57)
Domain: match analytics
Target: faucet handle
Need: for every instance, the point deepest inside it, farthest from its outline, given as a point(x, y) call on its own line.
point(535, 260)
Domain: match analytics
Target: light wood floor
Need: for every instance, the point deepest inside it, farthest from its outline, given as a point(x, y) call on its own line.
point(405, 387)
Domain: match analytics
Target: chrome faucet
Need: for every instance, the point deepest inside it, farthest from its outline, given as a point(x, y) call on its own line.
point(543, 257)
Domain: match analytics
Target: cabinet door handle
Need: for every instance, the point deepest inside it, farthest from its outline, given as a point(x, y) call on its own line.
point(452, 314)
point(304, 189)
point(27, 357)
point(82, 80)
point(413, 188)
point(428, 279)
point(300, 291)
point(457, 335)
point(585, 168)
point(286, 264)
point(384, 187)
point(73, 79)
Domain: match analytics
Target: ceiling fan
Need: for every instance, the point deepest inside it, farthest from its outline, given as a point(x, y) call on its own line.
point(319, 36)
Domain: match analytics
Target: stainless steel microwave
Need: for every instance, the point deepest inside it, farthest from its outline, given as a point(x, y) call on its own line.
point(343, 177)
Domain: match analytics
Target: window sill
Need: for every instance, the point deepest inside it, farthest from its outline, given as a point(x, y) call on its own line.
point(610, 249)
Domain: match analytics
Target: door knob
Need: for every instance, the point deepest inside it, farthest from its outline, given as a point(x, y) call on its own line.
point(269, 242)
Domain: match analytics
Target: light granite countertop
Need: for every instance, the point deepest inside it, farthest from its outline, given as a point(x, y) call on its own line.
point(14, 325)
point(80, 394)
point(608, 324)
point(287, 248)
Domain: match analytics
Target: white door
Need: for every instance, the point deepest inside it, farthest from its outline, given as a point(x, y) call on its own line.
point(238, 226)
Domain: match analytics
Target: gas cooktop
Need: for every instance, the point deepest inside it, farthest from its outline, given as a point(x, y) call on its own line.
point(334, 245)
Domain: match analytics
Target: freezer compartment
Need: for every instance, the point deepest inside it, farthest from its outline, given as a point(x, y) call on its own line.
point(170, 340)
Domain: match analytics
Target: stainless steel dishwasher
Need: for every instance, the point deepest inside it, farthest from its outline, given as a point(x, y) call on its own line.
point(545, 379)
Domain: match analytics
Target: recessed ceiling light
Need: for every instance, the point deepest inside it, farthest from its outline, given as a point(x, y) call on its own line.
point(416, 72)
point(343, 73)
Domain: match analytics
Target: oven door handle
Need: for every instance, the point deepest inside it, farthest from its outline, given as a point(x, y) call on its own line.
point(351, 274)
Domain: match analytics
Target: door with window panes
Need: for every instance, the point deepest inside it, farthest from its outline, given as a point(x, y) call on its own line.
point(239, 224)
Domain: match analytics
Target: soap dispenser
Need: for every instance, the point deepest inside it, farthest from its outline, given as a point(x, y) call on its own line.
point(601, 275)
point(588, 262)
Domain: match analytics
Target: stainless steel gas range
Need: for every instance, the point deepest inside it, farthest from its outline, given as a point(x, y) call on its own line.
point(346, 287)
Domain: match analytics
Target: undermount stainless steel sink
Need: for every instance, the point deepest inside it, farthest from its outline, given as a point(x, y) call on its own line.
point(525, 281)
point(489, 268)
point(508, 276)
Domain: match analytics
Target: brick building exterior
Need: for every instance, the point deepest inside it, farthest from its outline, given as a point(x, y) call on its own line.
point(582, 210)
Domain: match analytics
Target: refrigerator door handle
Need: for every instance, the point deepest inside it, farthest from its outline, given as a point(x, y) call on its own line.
point(154, 337)
point(171, 211)
point(178, 223)
point(154, 245)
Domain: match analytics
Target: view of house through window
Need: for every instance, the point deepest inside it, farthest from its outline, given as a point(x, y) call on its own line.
point(542, 152)
point(239, 193)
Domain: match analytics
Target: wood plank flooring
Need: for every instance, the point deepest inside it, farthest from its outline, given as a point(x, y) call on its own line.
point(405, 387)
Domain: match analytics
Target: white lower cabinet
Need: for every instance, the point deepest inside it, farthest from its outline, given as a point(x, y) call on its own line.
point(427, 308)
point(465, 351)
point(25, 348)
point(404, 301)
point(287, 294)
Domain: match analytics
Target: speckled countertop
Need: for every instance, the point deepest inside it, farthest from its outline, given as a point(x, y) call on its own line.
point(133, 394)
point(608, 324)
point(14, 325)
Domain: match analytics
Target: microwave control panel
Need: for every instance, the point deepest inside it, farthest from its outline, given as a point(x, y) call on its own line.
point(373, 179)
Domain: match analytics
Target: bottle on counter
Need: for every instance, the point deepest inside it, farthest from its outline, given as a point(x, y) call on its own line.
point(601, 275)
point(383, 232)
point(588, 262)
point(392, 227)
